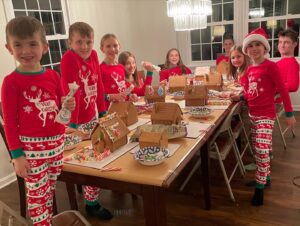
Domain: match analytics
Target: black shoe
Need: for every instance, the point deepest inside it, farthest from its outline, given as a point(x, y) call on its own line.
point(258, 197)
point(98, 211)
point(252, 183)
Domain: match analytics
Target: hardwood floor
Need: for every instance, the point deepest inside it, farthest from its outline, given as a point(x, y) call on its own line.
point(281, 208)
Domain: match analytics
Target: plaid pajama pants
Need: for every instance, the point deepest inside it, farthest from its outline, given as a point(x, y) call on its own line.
point(261, 131)
point(45, 157)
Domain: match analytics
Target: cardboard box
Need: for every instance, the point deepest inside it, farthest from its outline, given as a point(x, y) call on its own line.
point(125, 110)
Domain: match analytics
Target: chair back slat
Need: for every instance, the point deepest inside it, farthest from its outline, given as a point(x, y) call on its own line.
point(11, 216)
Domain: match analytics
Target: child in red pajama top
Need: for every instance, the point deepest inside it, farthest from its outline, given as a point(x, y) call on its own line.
point(288, 65)
point(127, 59)
point(80, 64)
point(173, 66)
point(31, 98)
point(113, 73)
point(228, 42)
point(260, 83)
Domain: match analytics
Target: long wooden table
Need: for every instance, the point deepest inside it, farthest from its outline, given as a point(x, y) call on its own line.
point(149, 182)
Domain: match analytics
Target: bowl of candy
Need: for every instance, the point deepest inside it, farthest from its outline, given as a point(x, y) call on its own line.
point(179, 95)
point(151, 156)
point(200, 112)
point(71, 141)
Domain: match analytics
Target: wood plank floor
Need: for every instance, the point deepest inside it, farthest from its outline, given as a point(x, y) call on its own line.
point(282, 199)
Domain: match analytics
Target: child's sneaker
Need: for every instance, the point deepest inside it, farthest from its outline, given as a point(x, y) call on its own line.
point(98, 211)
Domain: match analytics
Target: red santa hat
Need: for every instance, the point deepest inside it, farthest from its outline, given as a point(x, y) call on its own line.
point(259, 35)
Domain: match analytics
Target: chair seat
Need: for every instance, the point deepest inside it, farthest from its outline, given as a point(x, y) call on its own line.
point(69, 218)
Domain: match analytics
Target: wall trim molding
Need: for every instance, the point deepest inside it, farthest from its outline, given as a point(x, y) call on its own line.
point(296, 107)
point(7, 180)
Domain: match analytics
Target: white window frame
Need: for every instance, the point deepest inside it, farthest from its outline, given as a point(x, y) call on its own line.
point(9, 11)
point(240, 29)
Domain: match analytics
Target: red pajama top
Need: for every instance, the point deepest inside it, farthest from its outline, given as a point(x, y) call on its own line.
point(289, 70)
point(221, 58)
point(30, 103)
point(166, 73)
point(87, 75)
point(260, 84)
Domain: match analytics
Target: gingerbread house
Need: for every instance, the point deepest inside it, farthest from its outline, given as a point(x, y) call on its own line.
point(223, 67)
point(214, 81)
point(153, 139)
point(155, 94)
point(110, 132)
point(195, 95)
point(166, 113)
point(125, 110)
point(177, 83)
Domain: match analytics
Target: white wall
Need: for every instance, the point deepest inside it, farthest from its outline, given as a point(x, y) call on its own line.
point(141, 26)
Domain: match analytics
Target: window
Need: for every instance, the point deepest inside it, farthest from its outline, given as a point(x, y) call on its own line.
point(52, 14)
point(274, 16)
point(207, 43)
point(238, 17)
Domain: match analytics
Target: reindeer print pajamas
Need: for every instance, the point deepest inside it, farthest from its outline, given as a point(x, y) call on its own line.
point(260, 84)
point(30, 104)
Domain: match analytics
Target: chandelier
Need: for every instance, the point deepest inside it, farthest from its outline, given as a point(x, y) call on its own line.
point(189, 14)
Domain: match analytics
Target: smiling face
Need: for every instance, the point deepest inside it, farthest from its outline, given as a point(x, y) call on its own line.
point(81, 45)
point(28, 52)
point(256, 51)
point(286, 46)
point(130, 66)
point(173, 58)
point(111, 49)
point(227, 44)
point(237, 58)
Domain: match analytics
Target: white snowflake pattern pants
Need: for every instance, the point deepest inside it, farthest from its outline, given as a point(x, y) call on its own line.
point(261, 131)
point(45, 157)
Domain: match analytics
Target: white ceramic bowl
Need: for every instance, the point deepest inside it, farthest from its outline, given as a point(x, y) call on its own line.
point(151, 156)
point(200, 112)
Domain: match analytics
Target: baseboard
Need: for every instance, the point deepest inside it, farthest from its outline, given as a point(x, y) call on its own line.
point(296, 107)
point(7, 180)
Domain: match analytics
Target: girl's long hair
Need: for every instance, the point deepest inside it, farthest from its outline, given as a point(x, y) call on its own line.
point(123, 57)
point(180, 63)
point(243, 68)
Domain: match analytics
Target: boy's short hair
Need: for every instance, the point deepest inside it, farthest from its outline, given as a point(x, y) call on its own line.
point(24, 27)
point(82, 28)
point(293, 35)
point(107, 36)
point(227, 36)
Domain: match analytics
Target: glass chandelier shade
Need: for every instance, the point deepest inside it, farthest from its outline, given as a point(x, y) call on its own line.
point(189, 14)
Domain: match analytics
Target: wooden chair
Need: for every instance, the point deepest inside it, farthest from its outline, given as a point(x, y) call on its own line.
point(66, 218)
point(220, 145)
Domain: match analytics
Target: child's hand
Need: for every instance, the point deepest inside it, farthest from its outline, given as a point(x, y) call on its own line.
point(117, 97)
point(148, 66)
point(70, 104)
point(133, 97)
point(235, 97)
point(164, 82)
point(21, 166)
point(290, 122)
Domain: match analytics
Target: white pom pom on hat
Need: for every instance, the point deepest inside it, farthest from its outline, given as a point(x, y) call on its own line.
point(258, 34)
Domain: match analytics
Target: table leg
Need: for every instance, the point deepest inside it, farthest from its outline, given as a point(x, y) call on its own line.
point(154, 206)
point(205, 175)
point(72, 196)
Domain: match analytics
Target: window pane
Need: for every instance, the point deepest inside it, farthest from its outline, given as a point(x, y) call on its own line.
point(209, 19)
point(20, 13)
point(229, 29)
point(45, 59)
point(196, 50)
point(280, 7)
point(18, 4)
point(276, 52)
point(280, 25)
point(294, 7)
point(206, 52)
point(55, 4)
point(268, 6)
point(268, 29)
point(195, 36)
point(54, 51)
point(44, 4)
point(32, 4)
point(217, 49)
point(56, 67)
point(228, 11)
point(254, 4)
point(205, 35)
point(253, 26)
point(216, 1)
point(47, 22)
point(227, 0)
point(271, 47)
point(59, 23)
point(63, 46)
point(217, 33)
point(217, 13)
point(35, 14)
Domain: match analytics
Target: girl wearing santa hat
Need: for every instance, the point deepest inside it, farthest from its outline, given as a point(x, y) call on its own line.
point(260, 82)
